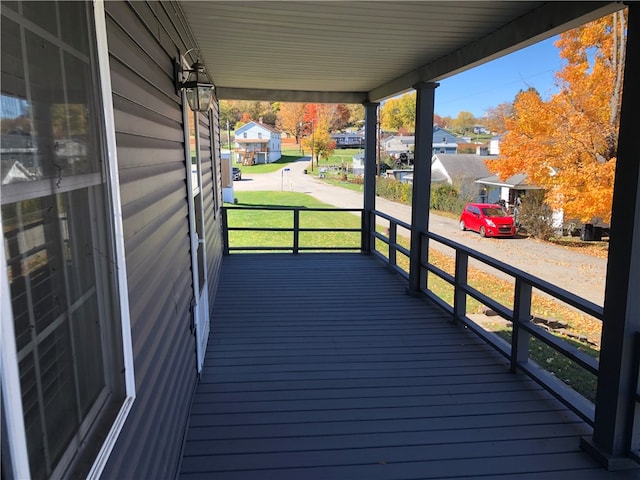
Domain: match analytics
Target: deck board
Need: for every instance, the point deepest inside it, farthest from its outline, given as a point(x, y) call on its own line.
point(322, 367)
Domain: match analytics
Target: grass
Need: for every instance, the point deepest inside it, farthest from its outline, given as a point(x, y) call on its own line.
point(270, 167)
point(337, 182)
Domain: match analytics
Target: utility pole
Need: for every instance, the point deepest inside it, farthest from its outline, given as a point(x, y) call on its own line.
point(313, 143)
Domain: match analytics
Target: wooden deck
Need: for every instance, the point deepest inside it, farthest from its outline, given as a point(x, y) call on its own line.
point(322, 367)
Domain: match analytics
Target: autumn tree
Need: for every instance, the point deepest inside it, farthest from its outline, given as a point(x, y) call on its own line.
point(464, 122)
point(356, 114)
point(495, 117)
point(228, 112)
point(290, 118)
point(318, 119)
point(399, 112)
point(444, 122)
point(567, 145)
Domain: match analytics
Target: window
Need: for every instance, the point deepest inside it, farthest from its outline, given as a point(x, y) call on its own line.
point(58, 236)
point(260, 135)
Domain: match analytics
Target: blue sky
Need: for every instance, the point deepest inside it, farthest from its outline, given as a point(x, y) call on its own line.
point(499, 81)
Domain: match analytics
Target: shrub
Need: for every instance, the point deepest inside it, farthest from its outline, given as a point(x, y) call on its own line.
point(535, 216)
point(446, 198)
point(391, 189)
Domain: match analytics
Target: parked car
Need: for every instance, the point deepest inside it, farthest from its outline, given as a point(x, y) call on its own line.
point(237, 173)
point(488, 220)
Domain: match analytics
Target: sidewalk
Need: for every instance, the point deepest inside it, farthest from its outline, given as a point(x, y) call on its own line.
point(578, 273)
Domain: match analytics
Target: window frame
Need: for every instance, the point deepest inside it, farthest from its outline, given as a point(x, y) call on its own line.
point(18, 461)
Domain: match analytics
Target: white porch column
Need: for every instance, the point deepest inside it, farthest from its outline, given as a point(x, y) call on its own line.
point(616, 433)
point(370, 170)
point(421, 182)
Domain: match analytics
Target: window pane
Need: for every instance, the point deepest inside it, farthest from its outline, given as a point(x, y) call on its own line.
point(42, 14)
point(73, 25)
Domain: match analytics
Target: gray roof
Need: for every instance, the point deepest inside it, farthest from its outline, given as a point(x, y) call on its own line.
point(463, 165)
point(517, 181)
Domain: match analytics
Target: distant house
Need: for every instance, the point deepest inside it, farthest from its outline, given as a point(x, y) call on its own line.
point(257, 143)
point(480, 130)
point(443, 142)
point(461, 170)
point(358, 164)
point(397, 144)
point(348, 140)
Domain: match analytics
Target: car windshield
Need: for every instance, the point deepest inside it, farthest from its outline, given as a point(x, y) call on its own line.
point(493, 212)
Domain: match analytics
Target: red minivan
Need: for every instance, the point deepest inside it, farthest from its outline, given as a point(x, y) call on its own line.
point(488, 220)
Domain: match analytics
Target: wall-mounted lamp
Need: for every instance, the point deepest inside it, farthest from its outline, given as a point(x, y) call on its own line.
point(197, 86)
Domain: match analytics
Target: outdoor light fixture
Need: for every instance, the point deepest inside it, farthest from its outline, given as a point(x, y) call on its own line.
point(197, 86)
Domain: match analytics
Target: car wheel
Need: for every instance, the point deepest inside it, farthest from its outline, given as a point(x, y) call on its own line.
point(463, 227)
point(483, 233)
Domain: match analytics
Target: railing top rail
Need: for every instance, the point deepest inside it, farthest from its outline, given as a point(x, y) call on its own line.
point(392, 219)
point(572, 299)
point(291, 208)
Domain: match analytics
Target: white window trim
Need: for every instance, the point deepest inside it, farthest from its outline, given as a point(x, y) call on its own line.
point(113, 183)
point(12, 402)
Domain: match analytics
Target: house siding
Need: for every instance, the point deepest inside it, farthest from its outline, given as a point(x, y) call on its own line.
point(212, 200)
point(144, 37)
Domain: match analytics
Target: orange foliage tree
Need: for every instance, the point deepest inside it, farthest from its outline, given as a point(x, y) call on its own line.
point(290, 118)
point(318, 120)
point(567, 145)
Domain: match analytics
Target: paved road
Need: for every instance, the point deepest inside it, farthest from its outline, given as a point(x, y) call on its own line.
point(578, 273)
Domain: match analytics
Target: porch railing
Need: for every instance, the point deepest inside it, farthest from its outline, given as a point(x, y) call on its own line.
point(386, 244)
point(519, 316)
point(294, 227)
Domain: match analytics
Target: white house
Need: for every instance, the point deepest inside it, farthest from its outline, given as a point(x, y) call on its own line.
point(358, 164)
point(494, 145)
point(397, 144)
point(257, 143)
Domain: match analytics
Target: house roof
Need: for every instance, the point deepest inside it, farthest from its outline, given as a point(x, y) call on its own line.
point(462, 165)
point(517, 181)
point(251, 124)
point(295, 51)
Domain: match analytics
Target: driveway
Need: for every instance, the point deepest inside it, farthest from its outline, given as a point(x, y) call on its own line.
point(578, 273)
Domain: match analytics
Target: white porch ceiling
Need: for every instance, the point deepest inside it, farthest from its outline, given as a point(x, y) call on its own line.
point(357, 51)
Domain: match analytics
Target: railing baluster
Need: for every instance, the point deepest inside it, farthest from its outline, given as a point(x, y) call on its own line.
point(225, 232)
point(393, 238)
point(521, 314)
point(296, 230)
point(459, 293)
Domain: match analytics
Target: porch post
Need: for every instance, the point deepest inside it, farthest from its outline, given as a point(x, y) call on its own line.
point(421, 182)
point(617, 409)
point(370, 170)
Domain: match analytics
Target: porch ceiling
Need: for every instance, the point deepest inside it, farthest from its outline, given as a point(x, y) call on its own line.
point(356, 51)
